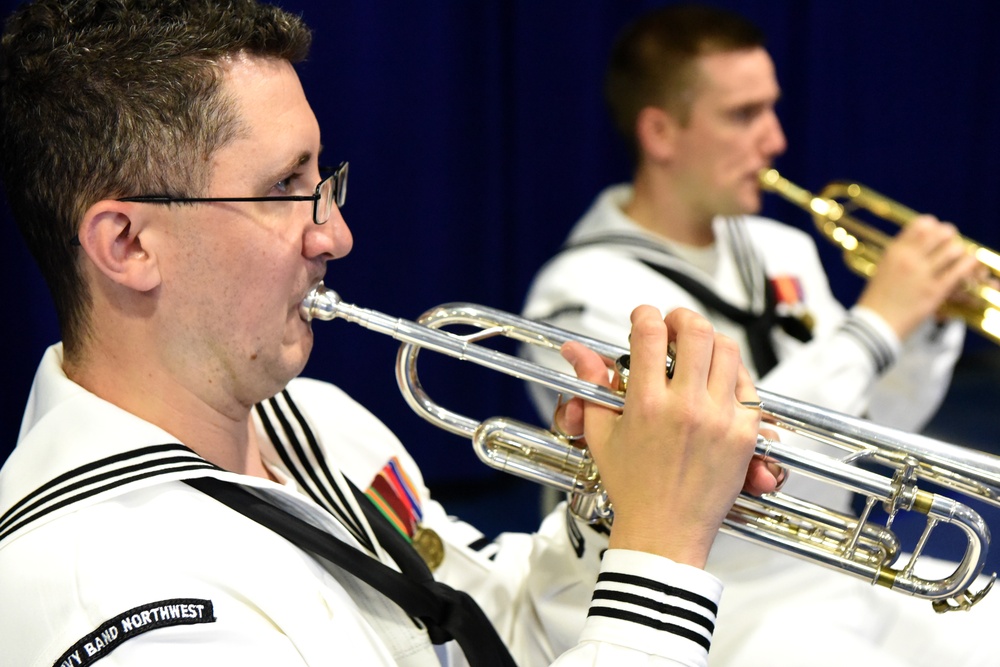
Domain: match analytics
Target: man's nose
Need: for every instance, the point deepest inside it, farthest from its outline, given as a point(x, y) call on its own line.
point(332, 239)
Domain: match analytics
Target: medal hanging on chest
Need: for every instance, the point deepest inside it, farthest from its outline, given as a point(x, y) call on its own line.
point(394, 494)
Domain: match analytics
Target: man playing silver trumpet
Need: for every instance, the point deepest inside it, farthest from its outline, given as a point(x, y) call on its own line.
point(178, 496)
point(693, 92)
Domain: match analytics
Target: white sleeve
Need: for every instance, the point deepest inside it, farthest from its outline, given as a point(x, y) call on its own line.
point(860, 368)
point(647, 610)
point(909, 394)
point(560, 596)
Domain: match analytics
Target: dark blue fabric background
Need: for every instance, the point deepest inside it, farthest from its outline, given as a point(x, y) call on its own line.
point(477, 135)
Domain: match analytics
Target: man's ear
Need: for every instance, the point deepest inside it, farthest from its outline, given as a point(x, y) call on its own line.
point(112, 236)
point(656, 133)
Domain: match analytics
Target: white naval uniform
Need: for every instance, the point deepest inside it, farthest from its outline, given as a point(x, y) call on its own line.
point(778, 611)
point(107, 556)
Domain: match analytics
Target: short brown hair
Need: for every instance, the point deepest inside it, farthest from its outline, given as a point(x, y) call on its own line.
point(109, 98)
point(652, 60)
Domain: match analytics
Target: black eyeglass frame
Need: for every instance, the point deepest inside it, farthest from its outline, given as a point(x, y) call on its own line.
point(338, 196)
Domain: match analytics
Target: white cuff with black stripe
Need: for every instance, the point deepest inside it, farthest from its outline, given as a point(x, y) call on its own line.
point(654, 605)
point(874, 335)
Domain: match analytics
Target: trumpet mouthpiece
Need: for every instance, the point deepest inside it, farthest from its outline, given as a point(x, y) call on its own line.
point(321, 303)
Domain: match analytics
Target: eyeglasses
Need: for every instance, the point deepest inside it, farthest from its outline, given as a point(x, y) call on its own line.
point(331, 190)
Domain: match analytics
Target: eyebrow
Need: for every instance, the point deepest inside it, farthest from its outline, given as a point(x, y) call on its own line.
point(302, 158)
point(291, 165)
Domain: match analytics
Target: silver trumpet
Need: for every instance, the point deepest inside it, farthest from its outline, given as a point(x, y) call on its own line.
point(858, 546)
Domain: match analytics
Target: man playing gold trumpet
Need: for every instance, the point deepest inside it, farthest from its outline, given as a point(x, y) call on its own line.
point(693, 92)
point(178, 496)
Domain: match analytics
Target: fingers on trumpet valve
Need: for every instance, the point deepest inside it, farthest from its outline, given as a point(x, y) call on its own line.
point(622, 368)
point(567, 416)
point(764, 474)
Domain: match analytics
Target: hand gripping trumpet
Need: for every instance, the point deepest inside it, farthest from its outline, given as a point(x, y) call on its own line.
point(856, 546)
point(834, 211)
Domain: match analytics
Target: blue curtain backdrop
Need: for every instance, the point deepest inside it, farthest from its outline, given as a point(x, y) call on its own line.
point(477, 135)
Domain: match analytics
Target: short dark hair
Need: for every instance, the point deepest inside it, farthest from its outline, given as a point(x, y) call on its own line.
point(109, 98)
point(652, 60)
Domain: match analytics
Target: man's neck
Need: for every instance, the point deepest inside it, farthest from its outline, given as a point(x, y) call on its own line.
point(657, 207)
point(221, 434)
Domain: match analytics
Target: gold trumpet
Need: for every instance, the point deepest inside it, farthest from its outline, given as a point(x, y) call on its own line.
point(860, 547)
point(863, 244)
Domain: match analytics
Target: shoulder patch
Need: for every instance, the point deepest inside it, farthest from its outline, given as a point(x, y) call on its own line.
point(132, 623)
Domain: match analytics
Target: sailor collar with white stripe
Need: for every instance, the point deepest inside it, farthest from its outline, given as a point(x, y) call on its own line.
point(77, 449)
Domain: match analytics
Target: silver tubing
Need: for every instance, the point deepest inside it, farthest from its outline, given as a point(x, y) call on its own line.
point(858, 548)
